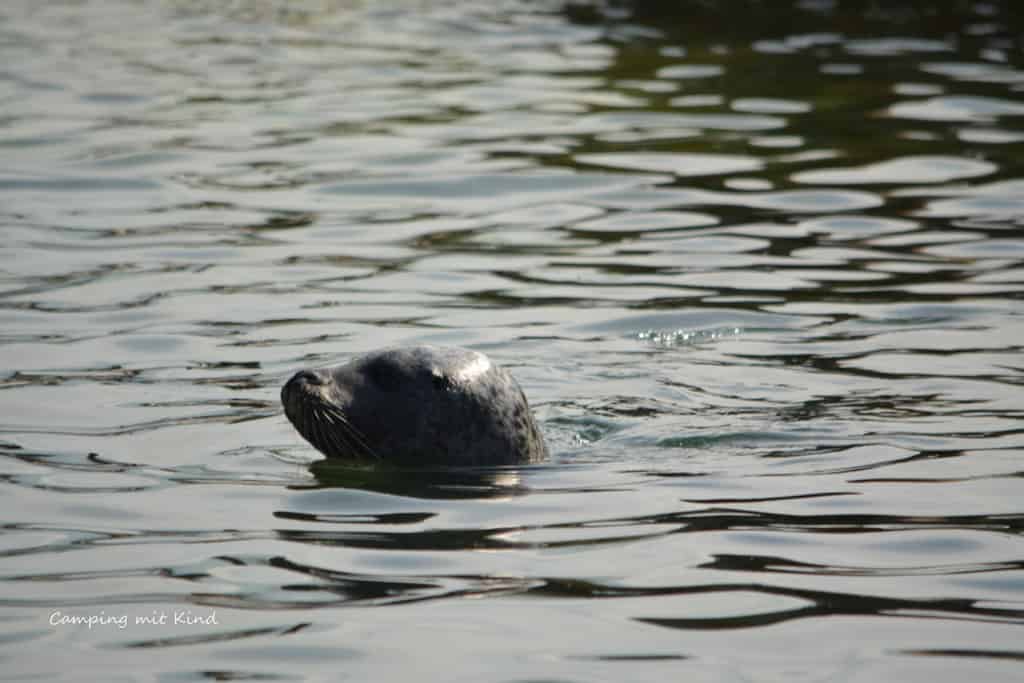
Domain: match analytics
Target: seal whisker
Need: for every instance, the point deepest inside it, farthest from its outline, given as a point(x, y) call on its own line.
point(310, 429)
point(340, 437)
point(314, 433)
point(330, 433)
point(327, 437)
point(357, 437)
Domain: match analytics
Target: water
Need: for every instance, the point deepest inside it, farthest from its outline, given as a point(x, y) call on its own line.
point(761, 281)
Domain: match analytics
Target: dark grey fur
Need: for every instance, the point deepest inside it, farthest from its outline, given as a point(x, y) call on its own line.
point(417, 406)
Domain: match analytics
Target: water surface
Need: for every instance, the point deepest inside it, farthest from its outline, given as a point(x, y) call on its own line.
point(762, 284)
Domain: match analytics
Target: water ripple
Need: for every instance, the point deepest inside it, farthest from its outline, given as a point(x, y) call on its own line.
point(760, 277)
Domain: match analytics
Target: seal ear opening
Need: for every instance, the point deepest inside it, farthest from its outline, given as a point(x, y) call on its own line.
point(441, 381)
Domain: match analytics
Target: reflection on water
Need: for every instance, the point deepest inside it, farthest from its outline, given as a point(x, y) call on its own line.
point(420, 483)
point(761, 280)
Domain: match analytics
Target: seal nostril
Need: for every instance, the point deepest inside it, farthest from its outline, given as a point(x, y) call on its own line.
point(307, 376)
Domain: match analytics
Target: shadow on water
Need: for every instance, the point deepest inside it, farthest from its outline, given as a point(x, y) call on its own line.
point(698, 19)
point(439, 483)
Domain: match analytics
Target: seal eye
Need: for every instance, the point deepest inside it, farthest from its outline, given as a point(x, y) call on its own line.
point(385, 375)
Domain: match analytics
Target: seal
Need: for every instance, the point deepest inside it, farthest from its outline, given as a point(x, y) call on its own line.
point(416, 406)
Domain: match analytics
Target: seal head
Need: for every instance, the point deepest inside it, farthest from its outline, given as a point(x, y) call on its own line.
point(418, 406)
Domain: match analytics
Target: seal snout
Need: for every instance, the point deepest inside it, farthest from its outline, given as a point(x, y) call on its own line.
point(303, 382)
point(299, 388)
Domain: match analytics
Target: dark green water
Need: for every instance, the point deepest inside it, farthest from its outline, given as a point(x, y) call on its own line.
point(759, 271)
